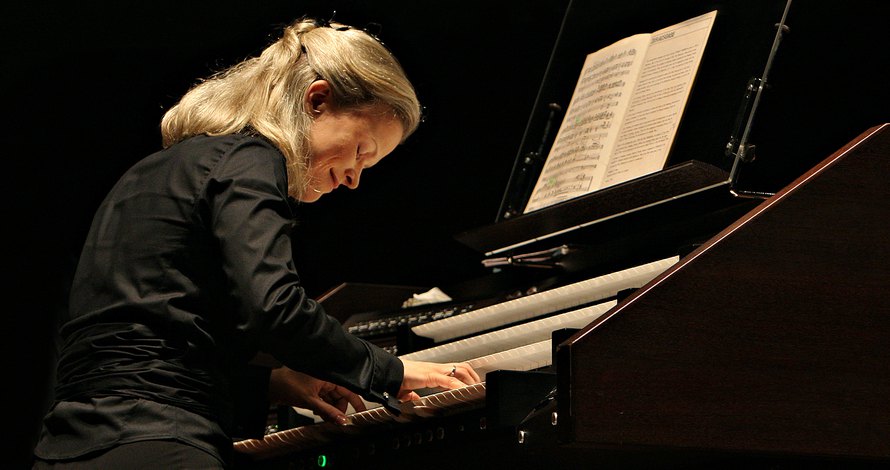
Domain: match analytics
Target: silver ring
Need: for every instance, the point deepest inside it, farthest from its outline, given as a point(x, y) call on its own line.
point(453, 370)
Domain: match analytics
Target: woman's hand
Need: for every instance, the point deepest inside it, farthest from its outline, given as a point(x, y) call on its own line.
point(431, 375)
point(329, 401)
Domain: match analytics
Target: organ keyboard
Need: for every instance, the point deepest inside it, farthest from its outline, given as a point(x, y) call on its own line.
point(513, 335)
point(523, 308)
point(314, 435)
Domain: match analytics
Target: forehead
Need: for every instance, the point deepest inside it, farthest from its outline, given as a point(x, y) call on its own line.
point(385, 127)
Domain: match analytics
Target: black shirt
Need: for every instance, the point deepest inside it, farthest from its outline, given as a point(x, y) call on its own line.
point(187, 272)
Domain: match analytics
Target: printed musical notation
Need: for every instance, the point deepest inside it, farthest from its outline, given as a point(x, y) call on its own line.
point(624, 112)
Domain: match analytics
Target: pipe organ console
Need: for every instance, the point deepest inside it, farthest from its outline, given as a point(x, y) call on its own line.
point(767, 345)
point(692, 324)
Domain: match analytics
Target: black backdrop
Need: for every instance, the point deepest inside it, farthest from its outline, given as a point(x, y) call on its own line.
point(85, 85)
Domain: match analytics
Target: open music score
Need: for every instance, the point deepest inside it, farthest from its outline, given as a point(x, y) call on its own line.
point(624, 113)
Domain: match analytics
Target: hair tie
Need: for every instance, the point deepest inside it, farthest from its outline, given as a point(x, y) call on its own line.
point(327, 23)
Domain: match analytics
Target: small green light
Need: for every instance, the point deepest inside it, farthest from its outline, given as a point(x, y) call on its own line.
point(322, 461)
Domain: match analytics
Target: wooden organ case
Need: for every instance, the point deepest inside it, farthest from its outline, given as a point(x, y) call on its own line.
point(762, 338)
point(771, 338)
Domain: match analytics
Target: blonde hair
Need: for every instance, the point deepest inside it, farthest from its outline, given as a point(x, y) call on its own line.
point(265, 93)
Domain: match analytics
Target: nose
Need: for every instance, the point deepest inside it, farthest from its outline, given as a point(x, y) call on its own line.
point(352, 177)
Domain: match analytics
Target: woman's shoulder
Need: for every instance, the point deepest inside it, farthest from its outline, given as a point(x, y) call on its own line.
point(229, 149)
point(238, 157)
point(245, 157)
point(231, 142)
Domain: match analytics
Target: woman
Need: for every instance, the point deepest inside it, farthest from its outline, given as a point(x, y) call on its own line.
point(186, 291)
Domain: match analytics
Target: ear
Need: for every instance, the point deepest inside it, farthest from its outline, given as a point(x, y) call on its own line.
point(318, 97)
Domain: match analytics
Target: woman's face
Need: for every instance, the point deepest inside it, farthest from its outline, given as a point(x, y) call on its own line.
point(342, 144)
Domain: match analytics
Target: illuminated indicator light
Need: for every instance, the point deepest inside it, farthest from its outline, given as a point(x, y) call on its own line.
point(322, 461)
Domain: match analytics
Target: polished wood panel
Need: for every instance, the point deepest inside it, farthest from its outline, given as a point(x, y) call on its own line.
point(773, 337)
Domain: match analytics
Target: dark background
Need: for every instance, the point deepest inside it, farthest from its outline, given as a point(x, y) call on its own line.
point(85, 86)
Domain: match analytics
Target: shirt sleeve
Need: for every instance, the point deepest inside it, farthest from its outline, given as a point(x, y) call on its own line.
point(251, 219)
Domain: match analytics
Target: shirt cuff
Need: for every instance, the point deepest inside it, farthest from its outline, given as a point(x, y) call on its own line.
point(387, 379)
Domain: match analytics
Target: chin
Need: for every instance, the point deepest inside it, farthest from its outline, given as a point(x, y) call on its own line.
point(310, 196)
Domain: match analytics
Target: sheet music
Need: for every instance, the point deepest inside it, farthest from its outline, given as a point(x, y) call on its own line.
point(624, 112)
point(576, 163)
point(653, 115)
